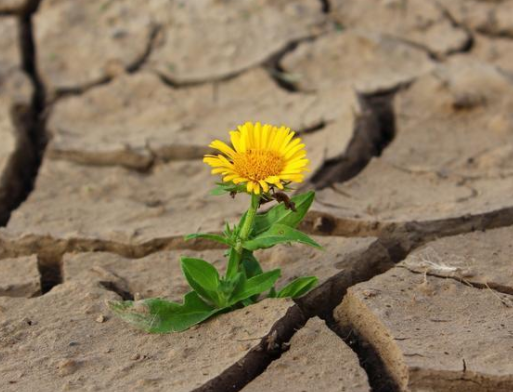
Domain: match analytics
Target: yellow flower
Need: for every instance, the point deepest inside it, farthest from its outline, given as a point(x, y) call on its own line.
point(262, 156)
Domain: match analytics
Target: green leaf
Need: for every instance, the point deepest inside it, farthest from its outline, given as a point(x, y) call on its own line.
point(160, 316)
point(250, 264)
point(203, 278)
point(298, 287)
point(280, 214)
point(212, 237)
point(255, 285)
point(277, 234)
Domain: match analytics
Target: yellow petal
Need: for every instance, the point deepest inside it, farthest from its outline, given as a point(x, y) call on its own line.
point(294, 150)
point(229, 177)
point(237, 141)
point(287, 140)
point(219, 145)
point(266, 130)
point(264, 185)
point(238, 180)
point(291, 145)
point(257, 132)
point(272, 179)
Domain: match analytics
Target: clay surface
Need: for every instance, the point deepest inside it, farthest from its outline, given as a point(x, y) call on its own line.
point(405, 109)
point(351, 58)
point(211, 39)
point(137, 119)
point(94, 344)
point(477, 258)
point(450, 158)
point(317, 360)
point(116, 205)
point(159, 274)
point(19, 277)
point(488, 17)
point(419, 22)
point(116, 35)
point(434, 333)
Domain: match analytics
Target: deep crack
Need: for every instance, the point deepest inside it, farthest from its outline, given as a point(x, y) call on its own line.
point(374, 130)
point(258, 359)
point(326, 6)
point(29, 124)
point(50, 272)
point(380, 379)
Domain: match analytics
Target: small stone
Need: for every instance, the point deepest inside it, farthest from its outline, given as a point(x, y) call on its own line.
point(100, 319)
point(135, 357)
point(67, 367)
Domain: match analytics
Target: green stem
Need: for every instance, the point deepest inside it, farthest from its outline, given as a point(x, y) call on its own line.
point(245, 231)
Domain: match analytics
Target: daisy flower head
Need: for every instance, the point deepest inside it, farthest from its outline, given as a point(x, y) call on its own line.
point(261, 156)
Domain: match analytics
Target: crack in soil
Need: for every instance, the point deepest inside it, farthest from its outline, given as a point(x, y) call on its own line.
point(321, 301)
point(380, 379)
point(278, 74)
point(326, 6)
point(29, 123)
point(374, 130)
point(469, 44)
point(50, 272)
point(135, 66)
point(54, 248)
point(116, 288)
point(29, 7)
point(258, 359)
point(271, 64)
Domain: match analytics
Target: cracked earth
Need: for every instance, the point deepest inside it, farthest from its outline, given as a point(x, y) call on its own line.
point(106, 109)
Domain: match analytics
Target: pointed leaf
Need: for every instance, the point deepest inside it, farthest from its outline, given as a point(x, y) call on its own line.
point(298, 287)
point(203, 278)
point(160, 316)
point(255, 285)
point(278, 234)
point(212, 237)
point(279, 214)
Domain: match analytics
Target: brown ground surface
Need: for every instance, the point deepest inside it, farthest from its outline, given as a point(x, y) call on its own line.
point(106, 109)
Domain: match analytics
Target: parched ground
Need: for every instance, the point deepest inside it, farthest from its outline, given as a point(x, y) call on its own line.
point(106, 109)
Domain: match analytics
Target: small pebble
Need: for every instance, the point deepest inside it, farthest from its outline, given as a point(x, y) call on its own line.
point(100, 318)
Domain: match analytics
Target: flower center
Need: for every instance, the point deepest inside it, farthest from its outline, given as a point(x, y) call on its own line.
point(257, 165)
